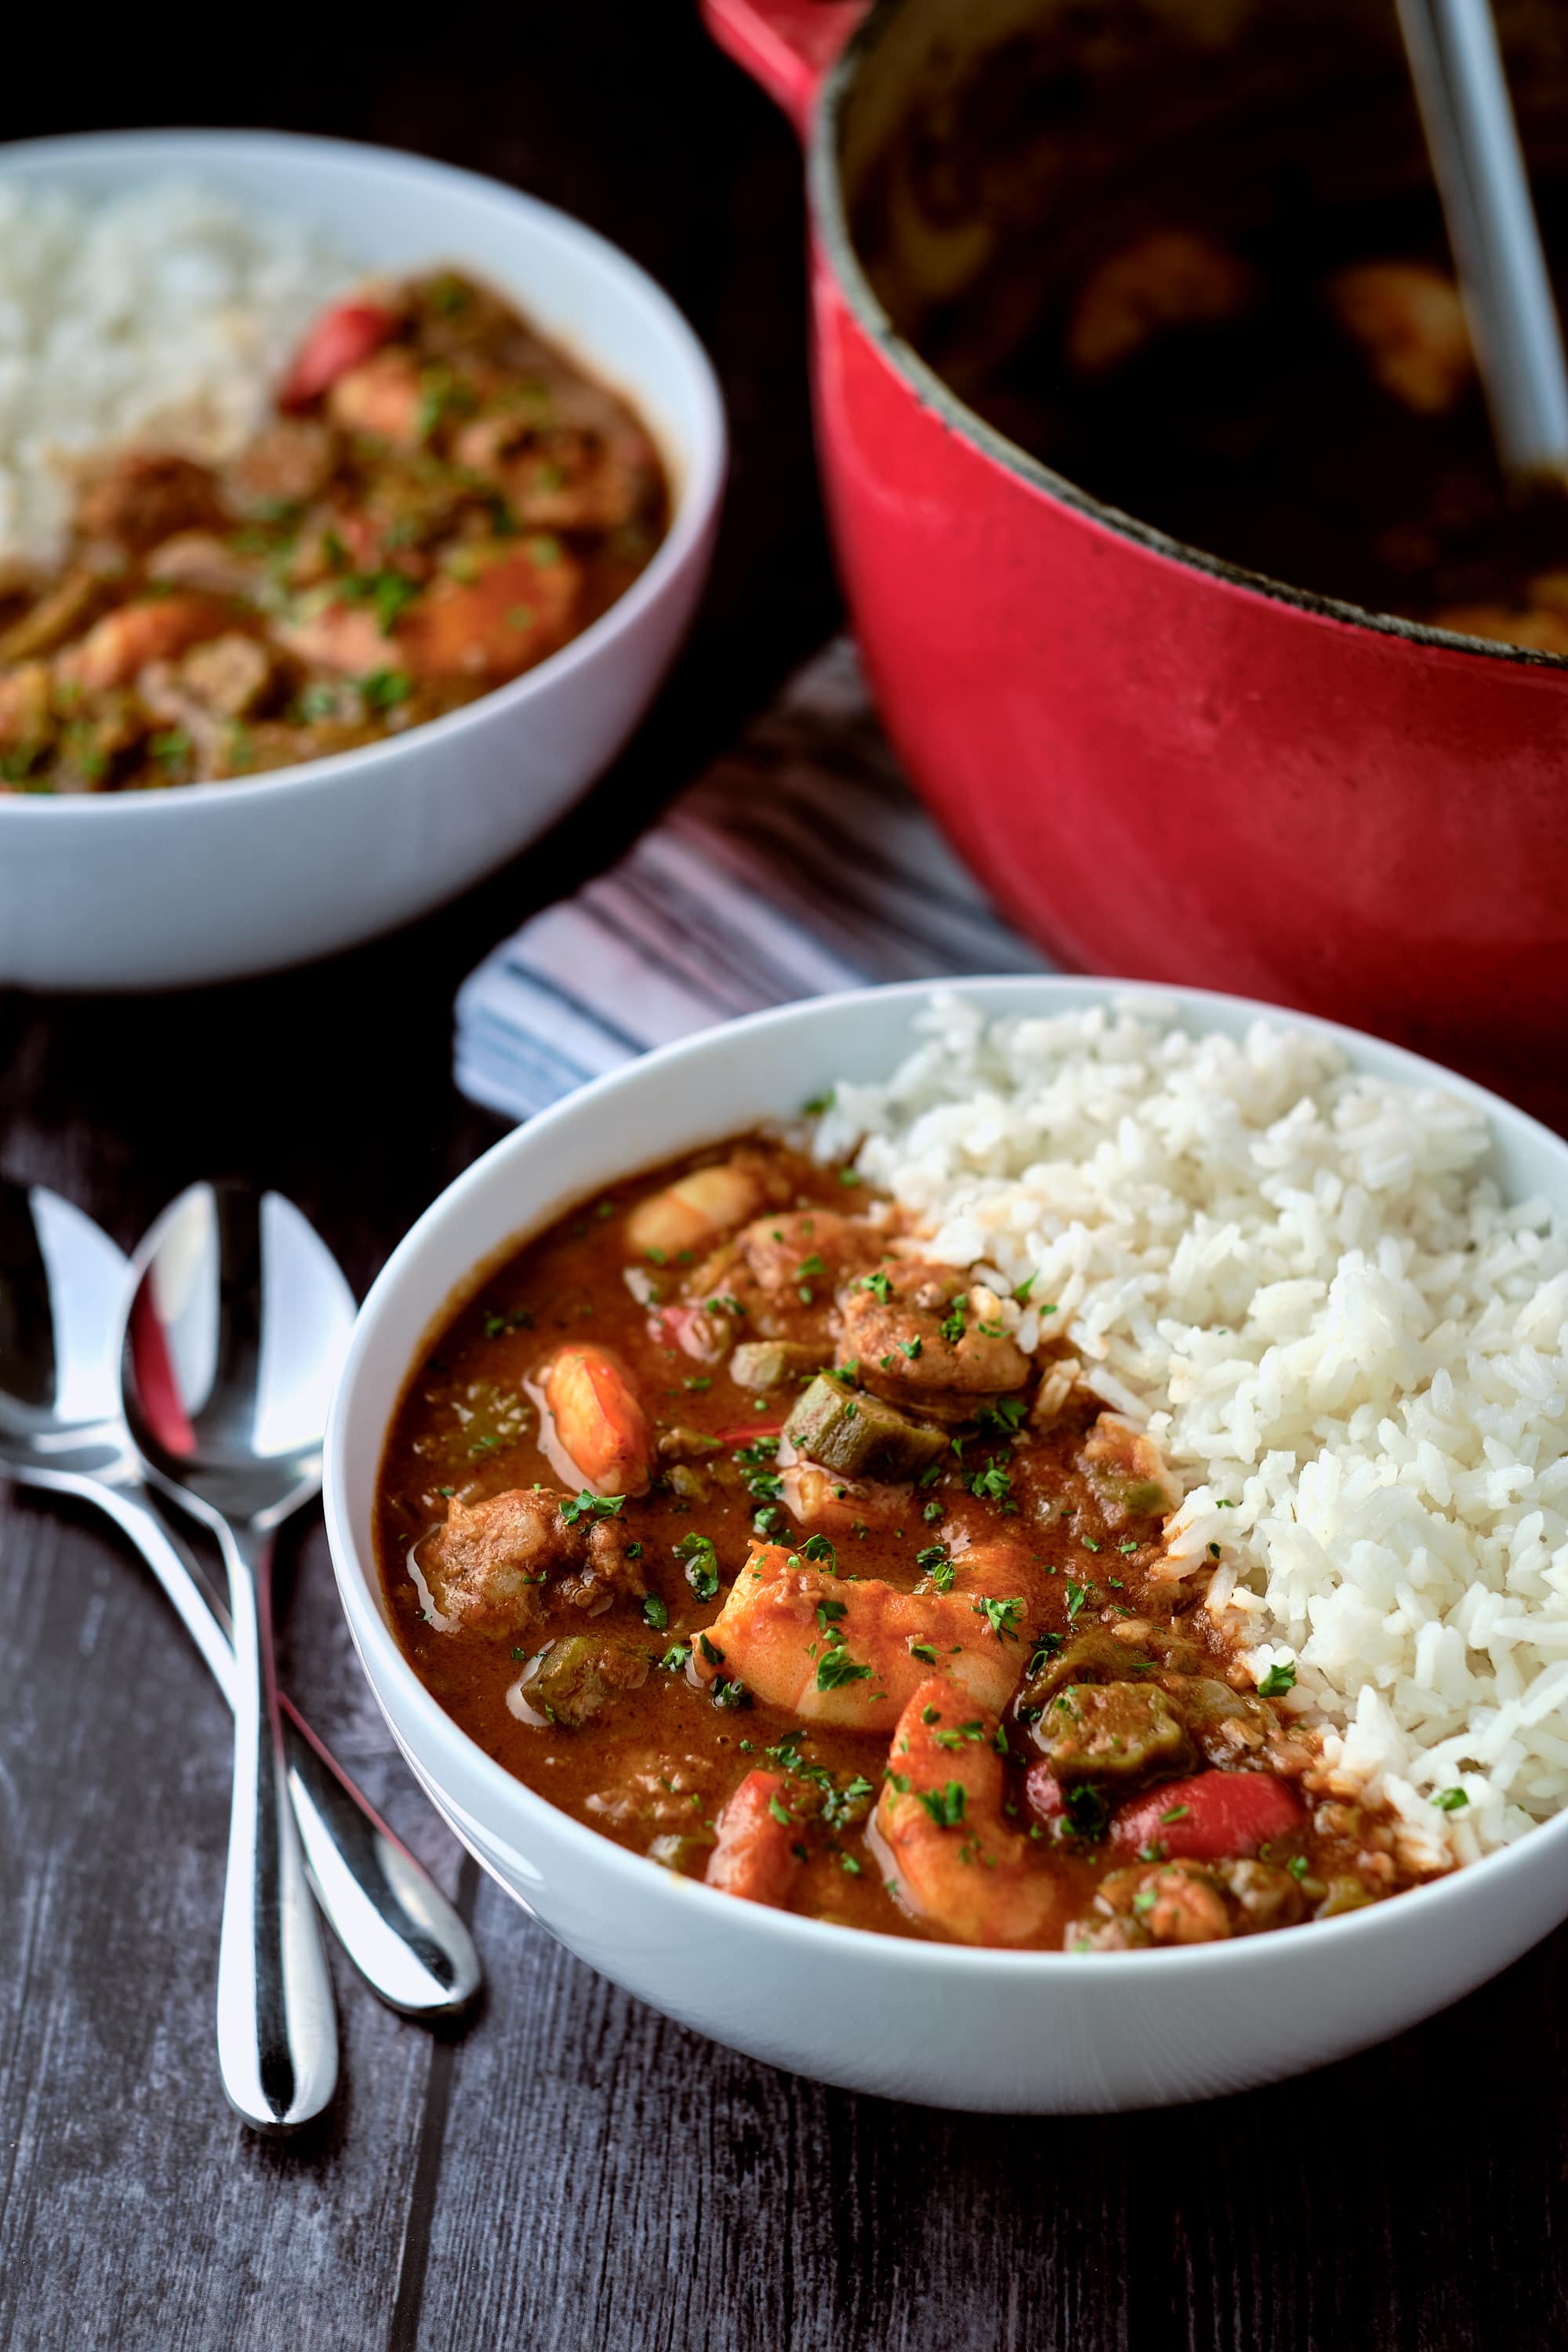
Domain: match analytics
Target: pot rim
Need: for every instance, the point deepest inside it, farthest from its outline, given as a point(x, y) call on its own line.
point(826, 200)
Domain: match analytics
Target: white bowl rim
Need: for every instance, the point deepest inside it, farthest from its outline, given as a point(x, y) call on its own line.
point(818, 1937)
point(694, 499)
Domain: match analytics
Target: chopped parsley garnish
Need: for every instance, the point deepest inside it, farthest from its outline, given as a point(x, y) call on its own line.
point(389, 594)
point(1076, 1595)
point(497, 1324)
point(945, 1806)
point(818, 1549)
point(879, 1284)
point(1045, 1650)
point(1001, 1616)
point(953, 1323)
point(702, 1564)
point(911, 1348)
point(655, 1614)
point(1176, 1813)
point(589, 1506)
point(1003, 1419)
point(819, 1103)
point(729, 1694)
point(383, 689)
point(829, 1612)
point(836, 1667)
point(955, 1739)
point(677, 1658)
point(924, 1650)
point(1447, 1801)
point(1087, 1811)
point(937, 1565)
point(780, 1811)
point(993, 1483)
point(1280, 1678)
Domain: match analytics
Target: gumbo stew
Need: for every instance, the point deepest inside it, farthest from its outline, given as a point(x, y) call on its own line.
point(440, 501)
point(749, 1536)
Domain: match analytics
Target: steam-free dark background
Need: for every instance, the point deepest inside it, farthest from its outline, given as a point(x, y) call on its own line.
point(573, 2171)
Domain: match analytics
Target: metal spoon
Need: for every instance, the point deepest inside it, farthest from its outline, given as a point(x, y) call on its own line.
point(1473, 142)
point(237, 1323)
point(62, 1291)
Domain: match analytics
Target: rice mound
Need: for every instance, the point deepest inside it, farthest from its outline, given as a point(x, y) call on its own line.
point(1353, 1351)
point(163, 317)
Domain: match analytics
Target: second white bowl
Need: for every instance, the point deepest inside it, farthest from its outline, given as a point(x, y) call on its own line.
point(208, 881)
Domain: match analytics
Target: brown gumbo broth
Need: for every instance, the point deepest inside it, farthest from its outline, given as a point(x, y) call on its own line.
point(750, 1538)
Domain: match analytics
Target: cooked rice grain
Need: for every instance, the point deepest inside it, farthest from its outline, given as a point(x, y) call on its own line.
point(1352, 1350)
point(163, 316)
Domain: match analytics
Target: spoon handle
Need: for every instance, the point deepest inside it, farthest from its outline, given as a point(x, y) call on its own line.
point(1473, 140)
point(277, 2033)
point(387, 1912)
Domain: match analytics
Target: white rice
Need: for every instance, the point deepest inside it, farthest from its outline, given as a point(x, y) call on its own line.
point(163, 317)
point(1352, 1350)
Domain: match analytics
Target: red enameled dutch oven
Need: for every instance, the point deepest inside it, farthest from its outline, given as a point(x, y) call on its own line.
point(1158, 763)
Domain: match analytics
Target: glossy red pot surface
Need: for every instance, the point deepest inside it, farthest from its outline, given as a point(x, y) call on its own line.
point(1156, 764)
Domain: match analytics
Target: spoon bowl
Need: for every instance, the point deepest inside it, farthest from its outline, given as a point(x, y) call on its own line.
point(62, 1293)
point(237, 1329)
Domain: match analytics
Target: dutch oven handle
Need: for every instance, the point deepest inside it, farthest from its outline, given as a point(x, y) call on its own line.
point(788, 46)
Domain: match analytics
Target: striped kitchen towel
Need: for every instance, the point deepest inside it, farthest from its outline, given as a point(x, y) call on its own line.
point(797, 863)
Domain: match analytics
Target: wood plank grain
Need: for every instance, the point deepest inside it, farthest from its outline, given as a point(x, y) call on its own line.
point(138, 2211)
point(576, 2173)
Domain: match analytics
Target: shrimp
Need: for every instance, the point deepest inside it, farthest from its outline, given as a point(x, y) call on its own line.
point(692, 1213)
point(918, 1330)
point(346, 638)
point(754, 1856)
point(939, 1831)
point(126, 640)
point(600, 1426)
point(519, 605)
point(1168, 279)
point(817, 1499)
point(851, 1650)
point(1409, 319)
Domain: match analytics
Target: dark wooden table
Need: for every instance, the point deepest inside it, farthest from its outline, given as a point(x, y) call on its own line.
point(572, 2170)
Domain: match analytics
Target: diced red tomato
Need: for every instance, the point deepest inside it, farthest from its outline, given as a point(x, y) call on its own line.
point(1213, 1816)
point(342, 337)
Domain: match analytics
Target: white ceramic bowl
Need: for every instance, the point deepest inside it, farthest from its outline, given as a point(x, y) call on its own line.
point(1031, 2032)
point(150, 890)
